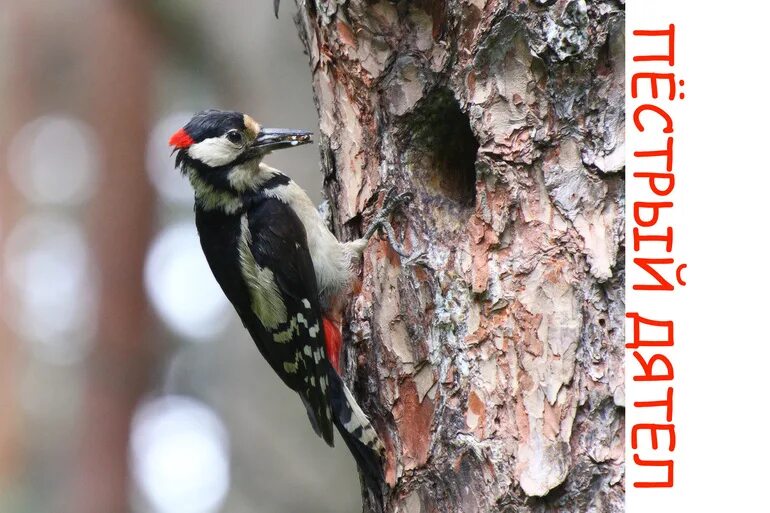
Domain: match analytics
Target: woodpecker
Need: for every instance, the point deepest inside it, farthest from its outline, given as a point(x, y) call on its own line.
point(279, 265)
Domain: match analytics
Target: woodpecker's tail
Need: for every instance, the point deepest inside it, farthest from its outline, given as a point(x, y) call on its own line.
point(358, 433)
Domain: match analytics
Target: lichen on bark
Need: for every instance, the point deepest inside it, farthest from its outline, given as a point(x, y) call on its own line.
point(494, 368)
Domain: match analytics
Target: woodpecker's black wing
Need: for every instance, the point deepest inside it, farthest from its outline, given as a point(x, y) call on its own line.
point(278, 270)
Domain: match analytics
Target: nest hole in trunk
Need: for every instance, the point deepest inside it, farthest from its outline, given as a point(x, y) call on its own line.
point(442, 148)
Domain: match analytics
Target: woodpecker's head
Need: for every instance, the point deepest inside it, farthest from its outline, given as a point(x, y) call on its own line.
point(223, 149)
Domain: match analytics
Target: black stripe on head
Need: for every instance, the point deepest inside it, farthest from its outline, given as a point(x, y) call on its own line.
point(213, 123)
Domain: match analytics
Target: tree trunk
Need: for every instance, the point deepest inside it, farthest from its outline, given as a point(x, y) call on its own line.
point(121, 62)
point(493, 367)
point(18, 100)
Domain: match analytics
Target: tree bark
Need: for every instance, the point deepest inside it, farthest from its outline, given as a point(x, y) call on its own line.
point(493, 367)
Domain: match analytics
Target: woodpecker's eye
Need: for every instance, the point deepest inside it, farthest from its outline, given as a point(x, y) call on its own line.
point(234, 136)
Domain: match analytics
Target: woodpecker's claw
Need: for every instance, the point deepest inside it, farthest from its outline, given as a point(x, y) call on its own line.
point(391, 203)
point(381, 221)
point(276, 5)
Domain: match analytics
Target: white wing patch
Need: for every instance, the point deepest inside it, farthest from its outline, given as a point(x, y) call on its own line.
point(266, 301)
point(292, 367)
point(286, 335)
point(324, 382)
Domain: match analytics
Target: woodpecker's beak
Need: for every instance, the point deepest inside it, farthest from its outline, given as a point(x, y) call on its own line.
point(270, 139)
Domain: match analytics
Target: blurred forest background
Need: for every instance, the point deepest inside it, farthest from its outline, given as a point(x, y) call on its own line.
point(126, 383)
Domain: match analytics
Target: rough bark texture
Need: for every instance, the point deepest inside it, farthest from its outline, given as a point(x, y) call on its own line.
point(493, 368)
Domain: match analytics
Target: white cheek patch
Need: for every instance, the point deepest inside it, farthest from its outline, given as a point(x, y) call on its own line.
point(214, 152)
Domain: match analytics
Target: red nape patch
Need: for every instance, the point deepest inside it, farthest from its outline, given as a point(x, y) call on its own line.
point(181, 139)
point(333, 340)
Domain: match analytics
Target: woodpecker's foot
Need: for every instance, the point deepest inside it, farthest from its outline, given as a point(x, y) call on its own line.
point(393, 201)
point(382, 220)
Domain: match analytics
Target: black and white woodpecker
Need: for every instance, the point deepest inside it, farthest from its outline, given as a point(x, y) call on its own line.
point(283, 270)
